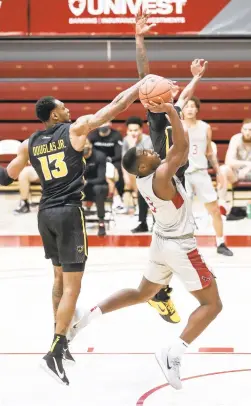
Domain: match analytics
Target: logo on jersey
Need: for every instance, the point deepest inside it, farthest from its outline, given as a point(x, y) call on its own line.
point(80, 249)
point(150, 204)
point(205, 279)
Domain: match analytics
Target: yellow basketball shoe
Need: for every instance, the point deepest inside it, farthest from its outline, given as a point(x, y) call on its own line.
point(164, 305)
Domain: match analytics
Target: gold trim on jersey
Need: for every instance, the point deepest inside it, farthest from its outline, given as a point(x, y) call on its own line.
point(167, 139)
point(84, 231)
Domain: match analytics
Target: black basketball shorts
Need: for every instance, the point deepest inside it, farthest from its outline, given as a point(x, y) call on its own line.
point(64, 235)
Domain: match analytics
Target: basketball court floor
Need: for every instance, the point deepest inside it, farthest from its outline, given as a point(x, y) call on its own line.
point(115, 362)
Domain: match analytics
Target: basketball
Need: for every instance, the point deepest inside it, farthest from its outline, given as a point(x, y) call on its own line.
point(155, 87)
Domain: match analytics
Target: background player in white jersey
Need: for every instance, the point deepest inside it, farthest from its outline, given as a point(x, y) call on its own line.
point(173, 248)
point(198, 180)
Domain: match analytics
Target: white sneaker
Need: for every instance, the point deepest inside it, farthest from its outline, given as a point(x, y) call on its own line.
point(79, 322)
point(170, 367)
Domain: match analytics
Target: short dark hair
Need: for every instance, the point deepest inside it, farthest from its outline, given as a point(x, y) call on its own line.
point(129, 161)
point(134, 120)
point(196, 102)
point(44, 107)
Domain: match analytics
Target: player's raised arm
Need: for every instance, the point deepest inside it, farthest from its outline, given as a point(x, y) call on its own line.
point(9, 174)
point(198, 68)
point(83, 125)
point(141, 29)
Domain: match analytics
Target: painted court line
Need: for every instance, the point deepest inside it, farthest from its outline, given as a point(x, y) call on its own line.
point(90, 351)
point(146, 395)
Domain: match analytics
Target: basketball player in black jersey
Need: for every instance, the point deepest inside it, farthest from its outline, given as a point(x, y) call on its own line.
point(56, 154)
point(161, 136)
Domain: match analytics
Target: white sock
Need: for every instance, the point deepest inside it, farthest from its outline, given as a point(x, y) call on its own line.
point(94, 313)
point(178, 348)
point(219, 241)
point(117, 200)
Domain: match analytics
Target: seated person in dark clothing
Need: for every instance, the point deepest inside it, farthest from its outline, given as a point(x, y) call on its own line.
point(109, 141)
point(96, 188)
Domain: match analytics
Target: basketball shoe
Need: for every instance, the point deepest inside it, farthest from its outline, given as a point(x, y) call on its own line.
point(170, 367)
point(164, 305)
point(52, 362)
point(67, 355)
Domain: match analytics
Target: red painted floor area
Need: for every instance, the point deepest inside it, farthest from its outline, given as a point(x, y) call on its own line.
point(122, 241)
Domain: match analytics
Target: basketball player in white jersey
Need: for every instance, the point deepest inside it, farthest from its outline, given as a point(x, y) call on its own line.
point(198, 180)
point(173, 248)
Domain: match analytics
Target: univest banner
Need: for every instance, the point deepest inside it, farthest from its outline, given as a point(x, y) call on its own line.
point(13, 17)
point(116, 17)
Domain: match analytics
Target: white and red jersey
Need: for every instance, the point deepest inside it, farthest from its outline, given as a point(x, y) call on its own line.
point(174, 217)
point(197, 146)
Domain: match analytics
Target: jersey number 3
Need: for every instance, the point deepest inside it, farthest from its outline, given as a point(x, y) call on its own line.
point(60, 166)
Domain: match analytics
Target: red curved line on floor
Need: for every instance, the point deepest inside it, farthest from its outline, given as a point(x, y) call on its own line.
point(146, 395)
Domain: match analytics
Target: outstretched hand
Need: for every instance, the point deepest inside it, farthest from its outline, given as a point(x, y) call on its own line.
point(142, 27)
point(198, 67)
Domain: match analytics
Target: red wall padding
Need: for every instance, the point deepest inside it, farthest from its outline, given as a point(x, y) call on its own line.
point(121, 69)
point(99, 90)
point(209, 111)
point(21, 131)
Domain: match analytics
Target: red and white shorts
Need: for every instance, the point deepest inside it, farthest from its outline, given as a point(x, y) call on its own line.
point(179, 257)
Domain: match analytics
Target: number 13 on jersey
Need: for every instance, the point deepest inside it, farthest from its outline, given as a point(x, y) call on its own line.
point(60, 170)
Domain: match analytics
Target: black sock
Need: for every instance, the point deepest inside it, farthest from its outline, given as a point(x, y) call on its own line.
point(58, 344)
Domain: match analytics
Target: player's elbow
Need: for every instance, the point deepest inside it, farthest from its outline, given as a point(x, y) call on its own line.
point(209, 155)
point(184, 146)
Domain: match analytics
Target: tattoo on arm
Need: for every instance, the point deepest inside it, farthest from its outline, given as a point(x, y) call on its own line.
point(141, 57)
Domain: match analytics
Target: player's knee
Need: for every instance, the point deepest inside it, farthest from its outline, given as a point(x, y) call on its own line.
point(143, 296)
point(72, 279)
point(215, 209)
point(97, 189)
point(219, 306)
point(24, 175)
point(216, 307)
point(146, 291)
point(213, 301)
point(72, 291)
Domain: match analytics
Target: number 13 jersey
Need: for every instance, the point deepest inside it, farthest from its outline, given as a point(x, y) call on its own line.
point(174, 217)
point(60, 168)
point(197, 147)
